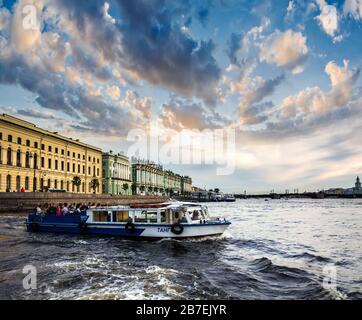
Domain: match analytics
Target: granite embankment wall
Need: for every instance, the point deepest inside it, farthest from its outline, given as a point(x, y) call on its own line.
point(26, 202)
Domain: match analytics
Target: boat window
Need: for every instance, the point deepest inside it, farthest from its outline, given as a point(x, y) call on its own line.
point(163, 216)
point(120, 216)
point(146, 216)
point(101, 216)
point(196, 215)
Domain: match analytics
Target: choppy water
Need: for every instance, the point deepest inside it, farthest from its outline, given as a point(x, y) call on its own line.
point(277, 249)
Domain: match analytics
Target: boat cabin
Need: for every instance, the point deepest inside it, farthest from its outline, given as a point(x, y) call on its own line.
point(150, 214)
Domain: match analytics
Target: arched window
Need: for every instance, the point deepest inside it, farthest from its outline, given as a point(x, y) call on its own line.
point(62, 184)
point(8, 183)
point(55, 184)
point(68, 186)
point(9, 157)
point(49, 183)
point(18, 158)
point(26, 183)
point(83, 187)
point(42, 184)
point(18, 183)
point(27, 160)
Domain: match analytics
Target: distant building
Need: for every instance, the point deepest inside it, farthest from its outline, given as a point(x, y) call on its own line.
point(151, 178)
point(116, 175)
point(357, 188)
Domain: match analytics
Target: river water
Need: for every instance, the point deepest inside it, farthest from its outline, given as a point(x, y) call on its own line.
point(276, 249)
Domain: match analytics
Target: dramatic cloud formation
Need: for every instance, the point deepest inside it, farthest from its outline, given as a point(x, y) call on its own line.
point(317, 101)
point(285, 49)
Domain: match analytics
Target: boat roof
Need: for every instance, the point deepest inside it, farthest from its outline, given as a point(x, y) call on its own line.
point(161, 205)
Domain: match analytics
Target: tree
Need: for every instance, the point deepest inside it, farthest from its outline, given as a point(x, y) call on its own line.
point(125, 187)
point(217, 190)
point(94, 184)
point(77, 182)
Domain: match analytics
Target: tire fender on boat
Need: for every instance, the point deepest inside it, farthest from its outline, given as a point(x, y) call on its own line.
point(177, 228)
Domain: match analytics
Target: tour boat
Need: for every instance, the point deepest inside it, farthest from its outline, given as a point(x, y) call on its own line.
point(229, 198)
point(171, 219)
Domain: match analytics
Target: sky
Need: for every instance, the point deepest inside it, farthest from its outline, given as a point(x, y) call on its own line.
point(284, 76)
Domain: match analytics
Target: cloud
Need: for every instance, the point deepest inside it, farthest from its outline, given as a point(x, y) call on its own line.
point(329, 20)
point(251, 91)
point(114, 92)
point(233, 46)
point(180, 114)
point(353, 8)
point(285, 49)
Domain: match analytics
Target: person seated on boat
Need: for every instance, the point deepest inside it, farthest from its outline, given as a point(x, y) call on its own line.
point(195, 215)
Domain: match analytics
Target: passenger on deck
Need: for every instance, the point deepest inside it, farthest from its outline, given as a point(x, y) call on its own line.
point(38, 210)
point(58, 211)
point(65, 209)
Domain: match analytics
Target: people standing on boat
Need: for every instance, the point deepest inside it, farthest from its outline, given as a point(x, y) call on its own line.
point(65, 209)
point(38, 210)
point(58, 211)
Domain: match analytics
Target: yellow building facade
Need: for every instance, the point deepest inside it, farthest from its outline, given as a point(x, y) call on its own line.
point(35, 159)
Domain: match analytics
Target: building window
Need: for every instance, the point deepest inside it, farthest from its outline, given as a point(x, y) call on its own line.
point(56, 164)
point(98, 160)
point(18, 183)
point(56, 150)
point(62, 185)
point(89, 170)
point(35, 161)
point(50, 148)
point(18, 158)
point(8, 183)
point(1, 155)
point(62, 165)
point(34, 184)
point(35, 145)
point(55, 184)
point(97, 172)
point(26, 183)
point(42, 162)
point(42, 184)
point(19, 141)
point(1, 135)
point(49, 183)
point(10, 138)
point(73, 154)
point(68, 153)
point(68, 167)
point(78, 155)
point(28, 143)
point(78, 168)
point(83, 169)
point(83, 157)
point(83, 187)
point(74, 167)
point(89, 159)
point(43, 146)
point(49, 163)
point(62, 152)
point(27, 160)
point(68, 186)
